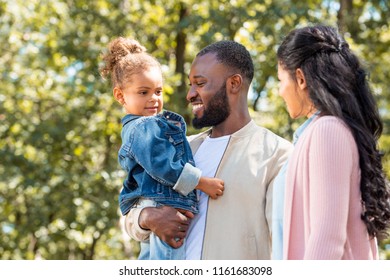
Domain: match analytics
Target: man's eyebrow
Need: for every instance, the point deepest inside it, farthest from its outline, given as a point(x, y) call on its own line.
point(197, 76)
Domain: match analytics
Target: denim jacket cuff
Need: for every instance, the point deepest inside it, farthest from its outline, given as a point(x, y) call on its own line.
point(188, 180)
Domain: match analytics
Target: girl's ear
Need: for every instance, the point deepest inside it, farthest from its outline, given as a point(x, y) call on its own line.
point(118, 95)
point(300, 77)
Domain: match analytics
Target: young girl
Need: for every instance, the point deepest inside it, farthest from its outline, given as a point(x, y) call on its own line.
point(154, 152)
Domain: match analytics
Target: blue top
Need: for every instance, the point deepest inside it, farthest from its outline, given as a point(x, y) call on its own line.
point(157, 157)
point(278, 199)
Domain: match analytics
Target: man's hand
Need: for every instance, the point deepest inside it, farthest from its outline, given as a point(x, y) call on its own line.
point(168, 223)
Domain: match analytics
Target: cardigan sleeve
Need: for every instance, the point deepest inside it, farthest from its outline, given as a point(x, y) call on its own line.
point(332, 156)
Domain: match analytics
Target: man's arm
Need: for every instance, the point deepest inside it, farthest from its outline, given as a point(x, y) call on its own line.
point(168, 223)
point(284, 150)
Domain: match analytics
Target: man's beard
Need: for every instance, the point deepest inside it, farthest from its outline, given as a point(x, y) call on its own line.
point(217, 110)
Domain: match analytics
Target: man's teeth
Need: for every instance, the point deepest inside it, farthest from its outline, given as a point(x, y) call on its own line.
point(197, 106)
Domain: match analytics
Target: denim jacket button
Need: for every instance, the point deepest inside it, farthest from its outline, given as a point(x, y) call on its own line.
point(171, 139)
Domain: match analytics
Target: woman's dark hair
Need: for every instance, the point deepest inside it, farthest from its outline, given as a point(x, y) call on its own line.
point(338, 86)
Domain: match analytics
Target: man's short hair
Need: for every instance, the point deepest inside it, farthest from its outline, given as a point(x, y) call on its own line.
point(232, 54)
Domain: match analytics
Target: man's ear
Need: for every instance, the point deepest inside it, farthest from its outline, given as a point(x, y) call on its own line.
point(235, 83)
point(118, 95)
point(300, 77)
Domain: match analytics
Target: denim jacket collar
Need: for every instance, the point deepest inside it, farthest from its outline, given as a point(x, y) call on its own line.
point(166, 114)
point(129, 118)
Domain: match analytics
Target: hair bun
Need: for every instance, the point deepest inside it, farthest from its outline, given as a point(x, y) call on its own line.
point(118, 49)
point(124, 46)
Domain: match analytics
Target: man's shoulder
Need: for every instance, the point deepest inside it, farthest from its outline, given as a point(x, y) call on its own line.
point(270, 135)
point(274, 143)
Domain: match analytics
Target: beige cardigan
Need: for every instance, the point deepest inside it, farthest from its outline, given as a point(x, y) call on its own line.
point(238, 224)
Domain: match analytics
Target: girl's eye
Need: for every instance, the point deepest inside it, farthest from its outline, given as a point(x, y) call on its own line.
point(143, 92)
point(159, 92)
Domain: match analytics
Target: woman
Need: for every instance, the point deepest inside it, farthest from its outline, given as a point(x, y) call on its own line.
point(336, 198)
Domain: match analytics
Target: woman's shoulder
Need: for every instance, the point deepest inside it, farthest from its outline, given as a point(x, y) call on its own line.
point(330, 126)
point(331, 122)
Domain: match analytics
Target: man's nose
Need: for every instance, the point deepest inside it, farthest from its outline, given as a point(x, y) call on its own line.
point(191, 94)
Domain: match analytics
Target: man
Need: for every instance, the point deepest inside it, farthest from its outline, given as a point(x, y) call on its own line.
point(245, 156)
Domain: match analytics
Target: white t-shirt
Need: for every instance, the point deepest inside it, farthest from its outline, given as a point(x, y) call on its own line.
point(207, 159)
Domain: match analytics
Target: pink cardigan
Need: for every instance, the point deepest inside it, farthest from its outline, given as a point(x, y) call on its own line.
point(322, 199)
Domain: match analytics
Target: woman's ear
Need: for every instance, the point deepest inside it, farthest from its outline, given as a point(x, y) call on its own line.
point(118, 95)
point(300, 78)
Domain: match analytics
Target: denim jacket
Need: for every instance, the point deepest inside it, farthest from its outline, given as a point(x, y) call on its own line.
point(158, 160)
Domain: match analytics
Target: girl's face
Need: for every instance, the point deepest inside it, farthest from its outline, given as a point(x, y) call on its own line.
point(143, 94)
point(294, 93)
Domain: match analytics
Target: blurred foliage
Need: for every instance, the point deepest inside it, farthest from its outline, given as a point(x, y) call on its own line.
point(60, 127)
